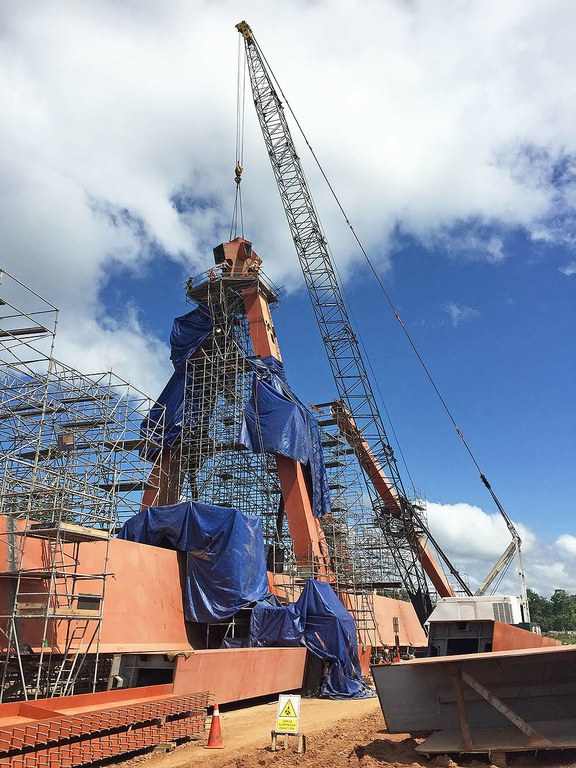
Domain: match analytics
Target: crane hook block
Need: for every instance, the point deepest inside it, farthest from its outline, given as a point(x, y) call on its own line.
point(245, 30)
point(238, 171)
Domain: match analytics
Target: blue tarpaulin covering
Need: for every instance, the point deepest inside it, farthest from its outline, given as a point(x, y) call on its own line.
point(167, 412)
point(225, 557)
point(275, 421)
point(319, 621)
point(188, 333)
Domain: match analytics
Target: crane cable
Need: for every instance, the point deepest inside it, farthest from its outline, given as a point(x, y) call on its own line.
point(496, 586)
point(237, 213)
point(388, 298)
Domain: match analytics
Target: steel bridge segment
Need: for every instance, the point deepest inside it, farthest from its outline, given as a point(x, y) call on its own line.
point(343, 351)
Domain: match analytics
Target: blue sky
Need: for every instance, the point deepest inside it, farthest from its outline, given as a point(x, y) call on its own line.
point(506, 372)
point(449, 134)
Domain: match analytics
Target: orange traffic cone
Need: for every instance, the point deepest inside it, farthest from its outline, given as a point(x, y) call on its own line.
point(215, 735)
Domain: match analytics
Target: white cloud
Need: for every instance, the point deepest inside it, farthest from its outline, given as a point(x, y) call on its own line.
point(459, 313)
point(121, 346)
point(569, 269)
point(566, 543)
point(468, 531)
point(469, 242)
point(474, 540)
point(440, 122)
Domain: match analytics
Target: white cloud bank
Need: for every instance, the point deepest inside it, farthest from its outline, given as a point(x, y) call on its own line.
point(441, 121)
point(474, 540)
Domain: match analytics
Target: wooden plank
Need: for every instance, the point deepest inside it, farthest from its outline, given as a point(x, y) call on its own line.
point(30, 331)
point(66, 532)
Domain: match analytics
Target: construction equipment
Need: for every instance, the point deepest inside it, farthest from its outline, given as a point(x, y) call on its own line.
point(398, 518)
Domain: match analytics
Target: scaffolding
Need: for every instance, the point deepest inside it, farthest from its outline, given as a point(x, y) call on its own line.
point(72, 467)
point(362, 562)
point(215, 468)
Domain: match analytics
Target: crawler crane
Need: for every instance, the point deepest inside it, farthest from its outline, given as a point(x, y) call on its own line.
point(356, 411)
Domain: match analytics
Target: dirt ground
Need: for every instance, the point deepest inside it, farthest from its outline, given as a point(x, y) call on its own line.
point(340, 734)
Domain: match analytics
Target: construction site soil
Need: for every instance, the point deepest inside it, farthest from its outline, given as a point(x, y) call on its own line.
point(340, 734)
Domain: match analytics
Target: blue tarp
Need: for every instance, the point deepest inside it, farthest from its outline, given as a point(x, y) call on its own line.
point(188, 333)
point(319, 621)
point(168, 411)
point(225, 557)
point(275, 421)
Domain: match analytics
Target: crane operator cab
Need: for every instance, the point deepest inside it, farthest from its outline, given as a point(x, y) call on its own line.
point(476, 624)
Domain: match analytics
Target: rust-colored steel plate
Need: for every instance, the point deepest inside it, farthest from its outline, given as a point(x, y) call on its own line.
point(241, 673)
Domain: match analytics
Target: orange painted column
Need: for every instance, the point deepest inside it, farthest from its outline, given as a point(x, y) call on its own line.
point(368, 460)
point(307, 536)
point(262, 331)
point(310, 546)
point(163, 485)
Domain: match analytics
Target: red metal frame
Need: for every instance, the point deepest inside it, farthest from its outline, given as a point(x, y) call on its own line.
point(310, 546)
point(241, 673)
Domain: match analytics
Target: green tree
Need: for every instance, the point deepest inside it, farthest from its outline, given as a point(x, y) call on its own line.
point(563, 610)
point(540, 610)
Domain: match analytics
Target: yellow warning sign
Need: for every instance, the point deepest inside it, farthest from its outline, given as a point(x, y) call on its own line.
point(288, 710)
point(288, 714)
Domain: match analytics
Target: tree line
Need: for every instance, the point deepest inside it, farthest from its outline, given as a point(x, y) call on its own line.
point(554, 614)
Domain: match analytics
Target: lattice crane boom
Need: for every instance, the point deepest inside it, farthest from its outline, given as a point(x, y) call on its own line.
point(402, 526)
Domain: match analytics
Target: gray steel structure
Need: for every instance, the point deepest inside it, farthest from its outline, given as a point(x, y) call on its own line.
point(342, 347)
point(497, 702)
point(72, 468)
